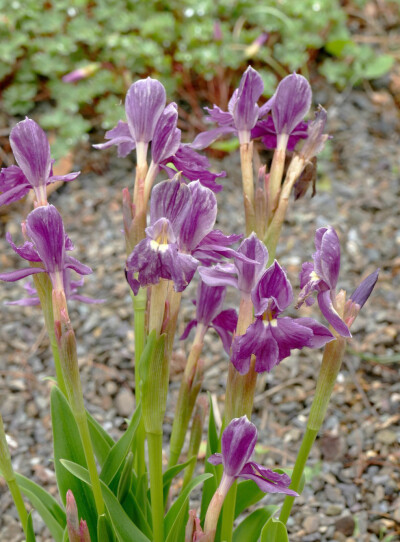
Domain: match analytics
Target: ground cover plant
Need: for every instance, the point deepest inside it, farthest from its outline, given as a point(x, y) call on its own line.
point(170, 235)
point(79, 58)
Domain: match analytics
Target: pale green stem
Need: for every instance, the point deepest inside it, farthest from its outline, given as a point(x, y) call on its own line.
point(139, 307)
point(246, 162)
point(276, 173)
point(331, 363)
point(228, 514)
point(44, 289)
point(154, 441)
point(275, 227)
point(90, 460)
point(214, 508)
point(186, 401)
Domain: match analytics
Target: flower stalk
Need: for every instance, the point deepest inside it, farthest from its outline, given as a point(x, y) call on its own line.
point(69, 362)
point(331, 363)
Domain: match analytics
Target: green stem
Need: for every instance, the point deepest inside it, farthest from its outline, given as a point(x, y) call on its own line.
point(139, 307)
point(331, 363)
point(246, 162)
point(301, 460)
point(19, 503)
point(154, 441)
point(44, 289)
point(83, 427)
point(228, 514)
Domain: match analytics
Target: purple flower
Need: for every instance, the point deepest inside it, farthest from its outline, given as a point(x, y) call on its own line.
point(158, 257)
point(81, 73)
point(193, 166)
point(167, 137)
point(70, 289)
point(265, 129)
point(290, 103)
point(242, 115)
point(209, 303)
point(244, 273)
point(144, 104)
point(271, 338)
point(237, 445)
point(47, 245)
point(359, 297)
point(322, 276)
point(32, 153)
point(180, 236)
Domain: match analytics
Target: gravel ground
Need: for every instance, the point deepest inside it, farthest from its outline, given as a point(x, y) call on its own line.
point(353, 477)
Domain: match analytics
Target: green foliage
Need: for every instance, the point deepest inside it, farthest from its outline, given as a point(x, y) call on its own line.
point(174, 41)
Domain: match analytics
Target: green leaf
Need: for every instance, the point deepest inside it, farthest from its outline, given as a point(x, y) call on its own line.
point(68, 446)
point(173, 519)
point(210, 485)
point(378, 66)
point(336, 47)
point(138, 515)
point(250, 528)
point(49, 509)
point(104, 529)
point(124, 528)
point(30, 533)
point(125, 480)
point(101, 440)
point(248, 493)
point(120, 449)
point(170, 473)
point(274, 531)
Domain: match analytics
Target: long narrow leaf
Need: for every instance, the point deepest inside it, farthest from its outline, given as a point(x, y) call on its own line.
point(67, 445)
point(30, 533)
point(249, 529)
point(101, 440)
point(124, 528)
point(210, 486)
point(170, 473)
point(274, 531)
point(49, 509)
point(173, 513)
point(248, 493)
point(120, 449)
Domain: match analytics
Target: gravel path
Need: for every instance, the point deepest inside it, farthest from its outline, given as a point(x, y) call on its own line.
point(353, 477)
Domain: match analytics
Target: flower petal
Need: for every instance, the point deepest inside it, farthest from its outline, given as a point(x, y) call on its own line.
point(46, 229)
point(120, 136)
point(364, 290)
point(12, 276)
point(144, 104)
point(266, 479)
point(328, 310)
point(167, 137)
point(237, 444)
point(204, 140)
point(291, 104)
point(201, 218)
point(32, 151)
point(273, 291)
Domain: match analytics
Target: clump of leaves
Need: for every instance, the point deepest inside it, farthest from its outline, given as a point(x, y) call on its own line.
point(190, 44)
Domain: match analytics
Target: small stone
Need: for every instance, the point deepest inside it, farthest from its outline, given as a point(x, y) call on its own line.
point(311, 524)
point(386, 436)
point(333, 510)
point(125, 402)
point(345, 525)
